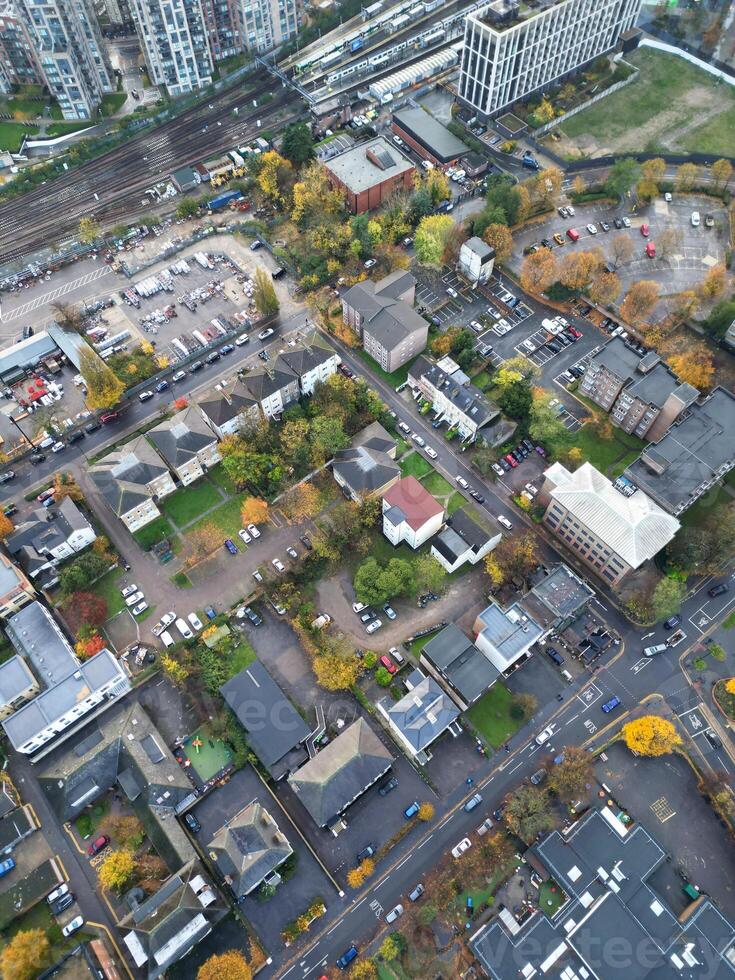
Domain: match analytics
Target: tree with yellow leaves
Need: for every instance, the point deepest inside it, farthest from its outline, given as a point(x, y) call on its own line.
point(254, 510)
point(66, 486)
point(650, 735)
point(605, 288)
point(721, 170)
point(426, 812)
point(501, 239)
point(25, 955)
point(6, 526)
point(302, 502)
point(355, 877)
point(539, 271)
point(117, 869)
point(335, 672)
point(730, 685)
point(544, 111)
point(275, 176)
point(175, 671)
point(578, 185)
point(578, 268)
point(695, 368)
point(230, 965)
point(313, 197)
point(364, 970)
point(686, 176)
point(89, 230)
point(714, 283)
point(513, 559)
point(104, 388)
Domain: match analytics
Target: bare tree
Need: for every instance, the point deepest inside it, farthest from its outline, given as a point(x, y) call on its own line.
point(621, 249)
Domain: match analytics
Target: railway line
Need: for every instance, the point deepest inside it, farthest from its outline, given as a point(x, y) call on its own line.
point(110, 187)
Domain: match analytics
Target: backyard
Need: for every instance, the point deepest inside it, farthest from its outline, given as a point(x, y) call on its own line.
point(673, 105)
point(492, 716)
point(12, 133)
point(108, 587)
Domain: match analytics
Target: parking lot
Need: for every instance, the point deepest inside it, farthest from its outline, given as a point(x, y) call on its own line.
point(678, 264)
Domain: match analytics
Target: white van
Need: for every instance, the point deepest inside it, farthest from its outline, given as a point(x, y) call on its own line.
point(695, 219)
point(427, 164)
point(167, 639)
point(452, 292)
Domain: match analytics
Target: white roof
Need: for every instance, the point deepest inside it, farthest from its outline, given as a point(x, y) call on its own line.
point(634, 527)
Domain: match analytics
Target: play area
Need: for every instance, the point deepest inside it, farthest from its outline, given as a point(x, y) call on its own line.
point(208, 757)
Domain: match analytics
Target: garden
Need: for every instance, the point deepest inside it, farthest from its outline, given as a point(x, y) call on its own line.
point(499, 714)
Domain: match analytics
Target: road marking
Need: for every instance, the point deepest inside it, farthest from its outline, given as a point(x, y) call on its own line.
point(573, 718)
point(589, 695)
point(426, 841)
point(403, 862)
point(514, 768)
point(662, 809)
point(640, 664)
point(329, 933)
point(54, 294)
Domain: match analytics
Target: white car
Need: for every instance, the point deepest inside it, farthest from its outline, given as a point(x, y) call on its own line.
point(58, 447)
point(167, 639)
point(244, 536)
point(531, 489)
point(464, 845)
point(626, 222)
point(592, 229)
point(502, 519)
point(140, 608)
point(498, 469)
point(374, 626)
point(134, 599)
point(278, 565)
point(76, 923)
point(570, 211)
point(265, 334)
point(242, 339)
point(145, 396)
point(398, 141)
point(476, 326)
point(128, 590)
point(195, 621)
point(431, 453)
point(462, 482)
point(417, 439)
point(495, 314)
point(183, 627)
point(179, 376)
point(163, 622)
point(292, 552)
point(252, 529)
point(529, 345)
point(667, 197)
point(370, 263)
point(545, 735)
point(357, 607)
point(394, 914)
point(695, 219)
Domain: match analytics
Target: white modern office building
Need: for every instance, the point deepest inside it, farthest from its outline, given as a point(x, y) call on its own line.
point(69, 48)
point(512, 49)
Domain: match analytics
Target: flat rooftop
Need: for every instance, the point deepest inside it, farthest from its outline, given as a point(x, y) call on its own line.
point(430, 133)
point(368, 164)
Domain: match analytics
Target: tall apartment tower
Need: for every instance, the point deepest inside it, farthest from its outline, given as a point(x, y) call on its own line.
point(69, 48)
point(173, 35)
point(511, 50)
point(18, 62)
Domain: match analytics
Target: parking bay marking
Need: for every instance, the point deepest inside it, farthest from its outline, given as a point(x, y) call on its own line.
point(590, 695)
point(640, 664)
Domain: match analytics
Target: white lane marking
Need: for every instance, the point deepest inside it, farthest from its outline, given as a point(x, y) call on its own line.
point(573, 718)
point(424, 842)
point(53, 294)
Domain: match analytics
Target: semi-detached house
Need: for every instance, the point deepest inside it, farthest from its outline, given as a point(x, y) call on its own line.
point(130, 480)
point(187, 444)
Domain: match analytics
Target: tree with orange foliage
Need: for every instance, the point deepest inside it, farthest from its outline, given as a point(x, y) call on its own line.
point(180, 404)
point(500, 238)
point(578, 268)
point(231, 965)
point(639, 301)
point(650, 735)
point(695, 368)
point(302, 502)
point(85, 649)
point(539, 271)
point(714, 283)
point(254, 510)
point(605, 288)
point(6, 526)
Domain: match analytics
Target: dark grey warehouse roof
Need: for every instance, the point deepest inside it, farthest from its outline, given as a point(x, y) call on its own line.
point(430, 134)
point(457, 658)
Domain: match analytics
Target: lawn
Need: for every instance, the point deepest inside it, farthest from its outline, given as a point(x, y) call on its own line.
point(395, 378)
point(111, 103)
point(418, 645)
point(491, 716)
point(550, 897)
point(455, 502)
point(153, 533)
point(415, 465)
point(209, 758)
point(219, 475)
point(188, 503)
point(659, 107)
point(19, 107)
point(224, 519)
point(108, 587)
point(11, 135)
point(64, 128)
point(729, 623)
point(242, 656)
point(482, 380)
point(437, 485)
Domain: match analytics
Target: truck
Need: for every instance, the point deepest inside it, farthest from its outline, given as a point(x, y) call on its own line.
point(223, 199)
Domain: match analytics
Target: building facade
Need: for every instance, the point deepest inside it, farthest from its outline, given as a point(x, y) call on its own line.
point(453, 399)
point(18, 62)
point(69, 48)
point(369, 173)
point(16, 589)
point(476, 260)
point(511, 50)
point(173, 35)
point(410, 513)
point(187, 444)
point(131, 479)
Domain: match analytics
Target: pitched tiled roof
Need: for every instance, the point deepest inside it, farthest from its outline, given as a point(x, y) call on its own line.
point(181, 437)
point(248, 847)
point(413, 501)
point(122, 477)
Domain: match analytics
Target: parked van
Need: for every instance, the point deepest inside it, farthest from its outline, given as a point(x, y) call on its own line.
point(427, 164)
point(658, 648)
point(573, 234)
point(167, 639)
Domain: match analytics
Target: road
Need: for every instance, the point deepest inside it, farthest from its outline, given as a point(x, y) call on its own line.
point(119, 178)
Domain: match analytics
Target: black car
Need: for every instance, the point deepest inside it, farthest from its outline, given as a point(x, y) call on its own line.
point(518, 457)
point(605, 226)
point(498, 813)
point(161, 386)
point(196, 366)
point(192, 823)
point(718, 589)
point(477, 496)
point(388, 786)
point(75, 437)
point(546, 242)
point(555, 656)
point(37, 458)
point(504, 464)
point(214, 356)
point(523, 450)
point(63, 903)
point(563, 339)
point(672, 623)
point(713, 739)
point(92, 427)
point(367, 852)
point(553, 345)
point(306, 542)
point(618, 222)
point(252, 616)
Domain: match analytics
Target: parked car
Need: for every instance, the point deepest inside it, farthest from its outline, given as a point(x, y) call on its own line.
point(718, 589)
point(258, 575)
point(349, 954)
point(71, 927)
point(411, 810)
point(651, 250)
point(473, 801)
point(306, 541)
point(65, 902)
point(388, 786)
point(502, 519)
point(278, 565)
point(394, 914)
point(555, 656)
point(179, 376)
point(416, 894)
point(462, 482)
point(498, 470)
point(161, 386)
point(358, 607)
point(140, 608)
point(538, 777)
point(192, 823)
point(183, 627)
point(645, 230)
point(610, 705)
point(265, 334)
point(672, 622)
point(367, 852)
point(253, 531)
point(389, 611)
point(6, 867)
point(231, 546)
point(386, 662)
point(195, 621)
point(134, 599)
point(374, 626)
point(128, 590)
point(144, 396)
point(292, 552)
point(431, 453)
point(464, 845)
point(98, 844)
point(247, 612)
point(244, 536)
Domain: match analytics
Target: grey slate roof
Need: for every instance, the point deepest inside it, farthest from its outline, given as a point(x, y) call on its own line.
point(46, 528)
point(248, 847)
point(180, 438)
point(9, 576)
point(619, 359)
point(340, 772)
point(449, 544)
point(273, 725)
point(479, 247)
point(36, 635)
point(122, 477)
point(562, 592)
point(469, 530)
point(307, 356)
point(366, 466)
point(472, 402)
point(691, 453)
point(263, 382)
point(388, 319)
point(424, 712)
point(457, 658)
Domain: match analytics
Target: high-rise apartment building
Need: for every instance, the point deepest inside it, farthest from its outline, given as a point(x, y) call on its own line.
point(512, 49)
point(70, 51)
point(18, 63)
point(173, 35)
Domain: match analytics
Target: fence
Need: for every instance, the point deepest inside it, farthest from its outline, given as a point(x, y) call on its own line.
point(560, 120)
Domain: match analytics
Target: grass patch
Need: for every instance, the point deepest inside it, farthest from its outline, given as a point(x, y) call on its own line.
point(111, 103)
point(551, 897)
point(704, 508)
point(402, 447)
point(188, 503)
point(225, 519)
point(415, 465)
point(482, 380)
point(242, 656)
point(437, 485)
point(108, 587)
point(181, 580)
point(658, 104)
point(144, 615)
point(491, 716)
point(394, 378)
point(152, 533)
point(88, 822)
point(418, 645)
point(455, 502)
point(218, 475)
point(11, 135)
point(64, 128)
point(729, 623)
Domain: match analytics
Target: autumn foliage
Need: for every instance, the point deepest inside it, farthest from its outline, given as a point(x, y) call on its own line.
point(85, 609)
point(25, 955)
point(650, 735)
point(254, 511)
point(231, 965)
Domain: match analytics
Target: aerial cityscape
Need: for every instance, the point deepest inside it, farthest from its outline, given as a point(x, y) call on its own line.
point(367, 489)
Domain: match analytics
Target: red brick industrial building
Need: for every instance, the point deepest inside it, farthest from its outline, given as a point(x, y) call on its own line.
point(369, 172)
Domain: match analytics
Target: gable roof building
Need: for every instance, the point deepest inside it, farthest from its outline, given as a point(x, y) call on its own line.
point(605, 869)
point(612, 527)
point(130, 480)
point(248, 849)
point(273, 388)
point(47, 537)
point(694, 455)
point(423, 714)
point(368, 466)
point(340, 773)
point(462, 541)
point(313, 362)
point(458, 665)
point(454, 400)
point(16, 589)
point(187, 444)
point(276, 731)
point(229, 410)
point(410, 513)
point(382, 314)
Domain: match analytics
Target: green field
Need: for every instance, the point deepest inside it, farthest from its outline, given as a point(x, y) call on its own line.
point(225, 520)
point(437, 485)
point(672, 104)
point(415, 465)
point(109, 588)
point(64, 128)
point(153, 533)
point(491, 715)
point(11, 135)
point(111, 103)
point(188, 503)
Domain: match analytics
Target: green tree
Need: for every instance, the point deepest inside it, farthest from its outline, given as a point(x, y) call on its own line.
point(383, 677)
point(89, 230)
point(721, 317)
point(104, 389)
point(297, 144)
point(326, 436)
point(528, 812)
point(187, 208)
point(264, 295)
point(702, 550)
point(516, 400)
point(544, 423)
point(569, 778)
point(624, 173)
point(367, 583)
point(431, 238)
point(429, 575)
point(667, 598)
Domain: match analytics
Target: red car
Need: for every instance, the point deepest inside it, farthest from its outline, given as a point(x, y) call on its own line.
point(512, 460)
point(388, 664)
point(98, 844)
point(574, 332)
point(645, 230)
point(651, 250)
point(109, 417)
